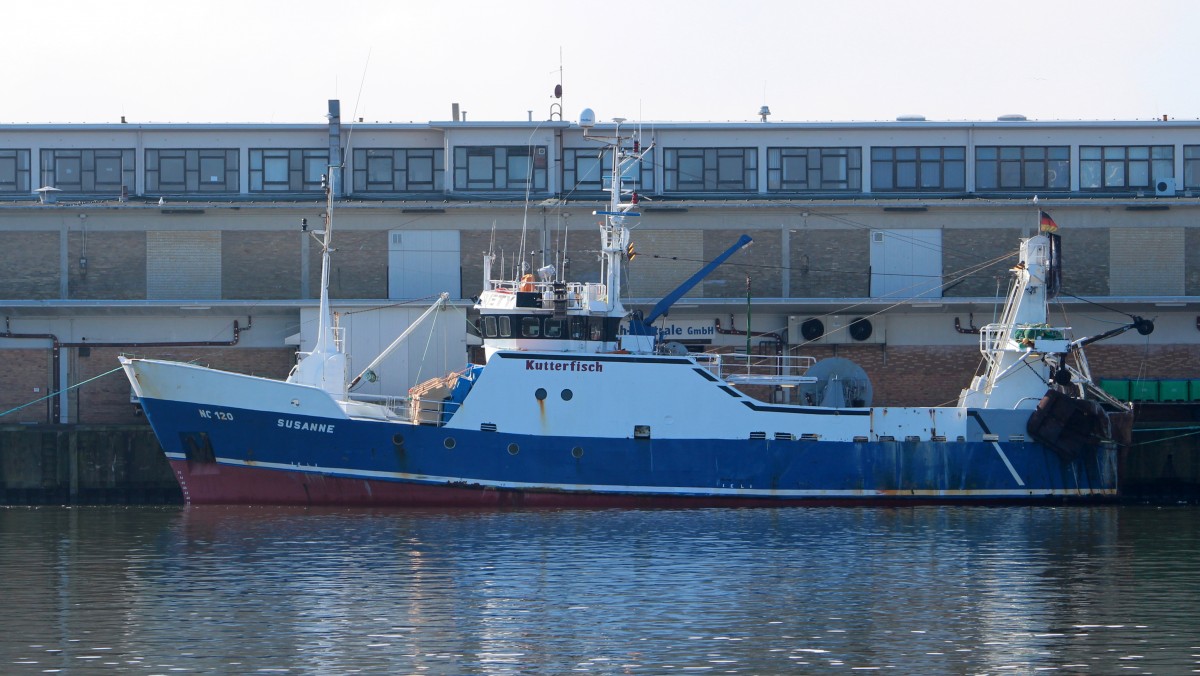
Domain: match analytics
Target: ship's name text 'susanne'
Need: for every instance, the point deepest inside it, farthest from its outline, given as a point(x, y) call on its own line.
point(305, 426)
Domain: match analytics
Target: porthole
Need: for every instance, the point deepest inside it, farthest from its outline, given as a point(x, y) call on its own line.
point(449, 442)
point(540, 393)
point(513, 449)
point(577, 452)
point(567, 394)
point(398, 439)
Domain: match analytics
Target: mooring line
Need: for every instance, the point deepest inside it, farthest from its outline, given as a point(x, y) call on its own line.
point(55, 394)
point(1165, 429)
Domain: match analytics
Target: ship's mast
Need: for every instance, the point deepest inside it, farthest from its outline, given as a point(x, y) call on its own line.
point(614, 235)
point(325, 365)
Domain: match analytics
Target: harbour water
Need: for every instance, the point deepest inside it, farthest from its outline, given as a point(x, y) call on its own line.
point(930, 590)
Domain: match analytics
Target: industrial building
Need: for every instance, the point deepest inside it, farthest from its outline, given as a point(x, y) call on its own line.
point(195, 241)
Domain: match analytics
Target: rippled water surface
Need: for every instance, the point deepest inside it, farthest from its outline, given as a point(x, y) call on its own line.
point(943, 590)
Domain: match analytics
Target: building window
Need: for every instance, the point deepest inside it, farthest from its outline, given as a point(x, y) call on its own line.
point(398, 170)
point(1124, 167)
point(791, 169)
point(14, 171)
point(710, 169)
point(1022, 168)
point(924, 168)
point(287, 169)
point(1191, 167)
point(590, 170)
point(500, 168)
point(194, 170)
point(89, 171)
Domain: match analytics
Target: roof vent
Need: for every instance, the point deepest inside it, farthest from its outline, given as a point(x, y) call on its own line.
point(910, 118)
point(47, 194)
point(1014, 117)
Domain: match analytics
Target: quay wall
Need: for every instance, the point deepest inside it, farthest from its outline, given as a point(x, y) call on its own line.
point(84, 464)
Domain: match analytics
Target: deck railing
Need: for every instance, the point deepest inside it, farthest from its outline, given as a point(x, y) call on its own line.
point(758, 369)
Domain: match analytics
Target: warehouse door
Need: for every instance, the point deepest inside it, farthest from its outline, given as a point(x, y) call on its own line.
point(423, 263)
point(906, 264)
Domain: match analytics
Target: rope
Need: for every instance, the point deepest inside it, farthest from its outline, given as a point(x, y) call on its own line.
point(428, 341)
point(1177, 436)
point(55, 394)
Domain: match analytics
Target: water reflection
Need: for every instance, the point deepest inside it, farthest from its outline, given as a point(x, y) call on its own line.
point(920, 590)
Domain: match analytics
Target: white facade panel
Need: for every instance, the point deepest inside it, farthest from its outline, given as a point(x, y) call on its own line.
point(423, 263)
point(906, 264)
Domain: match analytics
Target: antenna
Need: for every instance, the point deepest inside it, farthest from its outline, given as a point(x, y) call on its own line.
point(354, 116)
point(556, 107)
point(587, 120)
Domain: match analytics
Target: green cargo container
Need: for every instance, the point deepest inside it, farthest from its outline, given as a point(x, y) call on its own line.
point(1143, 390)
point(1172, 390)
point(1195, 390)
point(1119, 389)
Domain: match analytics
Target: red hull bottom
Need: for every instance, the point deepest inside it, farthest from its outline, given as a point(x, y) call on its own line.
point(232, 485)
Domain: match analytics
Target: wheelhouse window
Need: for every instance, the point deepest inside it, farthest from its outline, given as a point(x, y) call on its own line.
point(918, 168)
point(590, 170)
point(500, 168)
point(531, 327)
point(287, 169)
point(1022, 168)
point(394, 170)
point(710, 169)
point(98, 171)
point(812, 169)
point(1124, 168)
point(14, 171)
point(196, 170)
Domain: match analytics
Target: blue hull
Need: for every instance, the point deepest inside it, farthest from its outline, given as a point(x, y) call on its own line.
point(246, 456)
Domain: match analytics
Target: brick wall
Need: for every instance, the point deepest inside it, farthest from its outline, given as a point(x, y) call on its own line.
point(910, 375)
point(966, 250)
point(359, 265)
point(260, 264)
point(762, 261)
point(116, 267)
point(830, 263)
point(1085, 256)
point(1085, 261)
point(25, 375)
point(1149, 361)
point(665, 258)
point(29, 261)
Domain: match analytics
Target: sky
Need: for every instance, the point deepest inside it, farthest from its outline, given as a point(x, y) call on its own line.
point(664, 60)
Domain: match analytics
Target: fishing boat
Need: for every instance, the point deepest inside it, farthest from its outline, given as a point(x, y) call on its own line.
point(579, 402)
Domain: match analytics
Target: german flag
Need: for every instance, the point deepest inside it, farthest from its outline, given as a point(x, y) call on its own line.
point(1045, 223)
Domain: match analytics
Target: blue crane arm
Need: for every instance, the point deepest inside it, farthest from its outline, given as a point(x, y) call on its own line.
point(670, 299)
